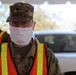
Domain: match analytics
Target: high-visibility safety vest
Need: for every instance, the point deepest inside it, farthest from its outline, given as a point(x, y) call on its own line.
point(1, 36)
point(39, 67)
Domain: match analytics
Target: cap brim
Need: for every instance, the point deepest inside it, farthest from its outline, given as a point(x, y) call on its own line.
point(18, 18)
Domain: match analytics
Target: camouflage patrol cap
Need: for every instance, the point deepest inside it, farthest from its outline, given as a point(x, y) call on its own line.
point(20, 12)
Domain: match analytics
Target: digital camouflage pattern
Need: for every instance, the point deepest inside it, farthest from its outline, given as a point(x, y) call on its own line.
point(21, 12)
point(24, 57)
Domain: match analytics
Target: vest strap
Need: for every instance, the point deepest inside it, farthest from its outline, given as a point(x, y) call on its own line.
point(2, 33)
point(4, 59)
point(1, 36)
point(40, 60)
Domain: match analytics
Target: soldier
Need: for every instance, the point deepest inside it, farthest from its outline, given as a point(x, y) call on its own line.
point(23, 55)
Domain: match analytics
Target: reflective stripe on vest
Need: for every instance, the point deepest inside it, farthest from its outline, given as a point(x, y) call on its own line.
point(40, 59)
point(1, 36)
point(4, 59)
point(2, 33)
point(39, 66)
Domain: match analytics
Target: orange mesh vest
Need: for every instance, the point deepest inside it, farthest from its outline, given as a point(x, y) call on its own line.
point(39, 67)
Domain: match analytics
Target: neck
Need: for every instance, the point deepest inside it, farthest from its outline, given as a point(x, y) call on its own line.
point(16, 45)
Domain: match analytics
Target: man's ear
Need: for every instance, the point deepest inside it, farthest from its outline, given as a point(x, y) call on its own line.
point(34, 24)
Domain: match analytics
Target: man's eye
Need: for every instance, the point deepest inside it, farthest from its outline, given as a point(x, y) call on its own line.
point(23, 22)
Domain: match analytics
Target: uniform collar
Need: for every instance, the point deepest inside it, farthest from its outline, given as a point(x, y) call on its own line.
point(31, 52)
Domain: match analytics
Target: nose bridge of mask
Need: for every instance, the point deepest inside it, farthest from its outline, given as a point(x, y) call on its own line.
point(21, 30)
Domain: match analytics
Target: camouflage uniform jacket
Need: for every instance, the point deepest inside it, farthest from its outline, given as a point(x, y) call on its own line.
point(24, 64)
